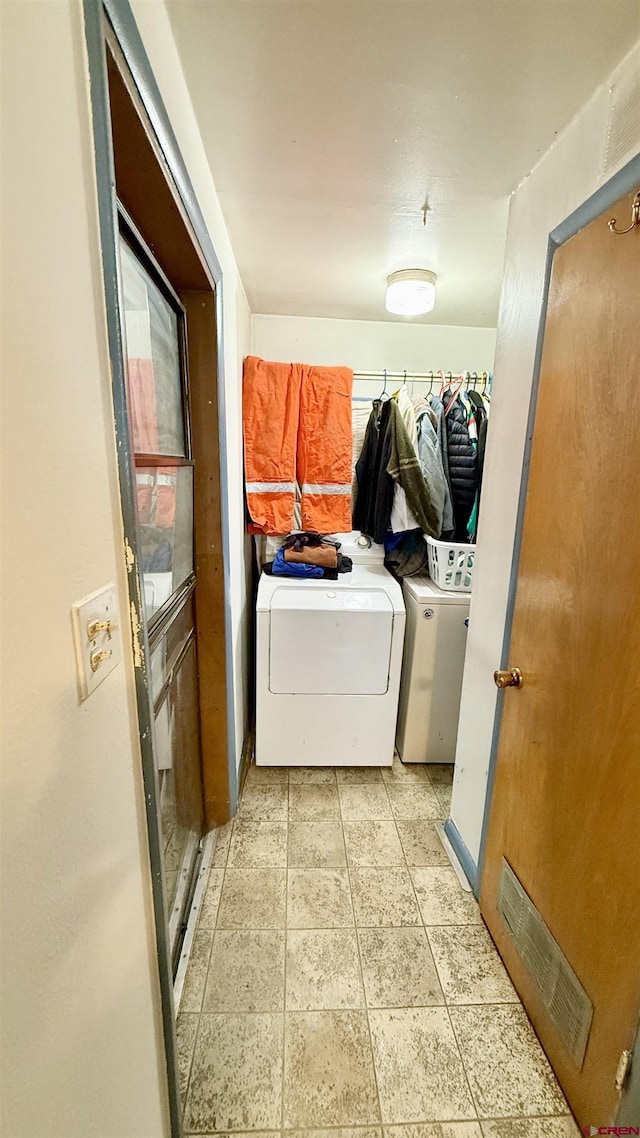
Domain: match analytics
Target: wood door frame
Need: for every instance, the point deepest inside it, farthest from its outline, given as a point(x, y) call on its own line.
point(623, 182)
point(114, 18)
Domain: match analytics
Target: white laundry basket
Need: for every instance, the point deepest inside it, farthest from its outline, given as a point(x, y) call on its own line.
point(451, 565)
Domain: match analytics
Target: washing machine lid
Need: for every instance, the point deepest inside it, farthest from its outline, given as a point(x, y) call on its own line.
point(329, 641)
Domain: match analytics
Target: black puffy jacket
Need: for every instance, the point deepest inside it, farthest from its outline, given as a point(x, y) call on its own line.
point(463, 465)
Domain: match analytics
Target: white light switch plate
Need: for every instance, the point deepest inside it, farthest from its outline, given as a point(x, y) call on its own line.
point(101, 606)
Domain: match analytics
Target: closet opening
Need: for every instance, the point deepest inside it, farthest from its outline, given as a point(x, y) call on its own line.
point(393, 482)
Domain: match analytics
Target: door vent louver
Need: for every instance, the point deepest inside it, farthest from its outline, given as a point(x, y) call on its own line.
point(623, 131)
point(564, 998)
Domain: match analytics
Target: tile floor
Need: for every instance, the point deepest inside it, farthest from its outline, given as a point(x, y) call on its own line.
point(342, 982)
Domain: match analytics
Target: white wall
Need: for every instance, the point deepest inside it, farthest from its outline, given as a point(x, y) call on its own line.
point(566, 176)
point(155, 29)
point(81, 1034)
point(371, 345)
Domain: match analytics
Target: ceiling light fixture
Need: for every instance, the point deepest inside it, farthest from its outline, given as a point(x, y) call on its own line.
point(411, 292)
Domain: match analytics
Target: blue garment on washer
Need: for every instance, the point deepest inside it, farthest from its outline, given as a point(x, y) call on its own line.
point(282, 568)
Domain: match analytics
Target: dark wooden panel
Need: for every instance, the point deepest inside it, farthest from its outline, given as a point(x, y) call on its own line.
point(210, 625)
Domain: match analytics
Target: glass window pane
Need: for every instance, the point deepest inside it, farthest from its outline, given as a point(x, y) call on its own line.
point(153, 362)
point(165, 516)
point(177, 752)
point(165, 654)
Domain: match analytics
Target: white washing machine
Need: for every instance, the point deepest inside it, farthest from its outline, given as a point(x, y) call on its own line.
point(435, 645)
point(329, 656)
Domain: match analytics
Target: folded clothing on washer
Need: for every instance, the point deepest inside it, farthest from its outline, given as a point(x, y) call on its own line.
point(323, 555)
point(281, 568)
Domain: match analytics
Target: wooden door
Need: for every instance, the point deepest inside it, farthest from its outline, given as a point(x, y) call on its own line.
point(566, 802)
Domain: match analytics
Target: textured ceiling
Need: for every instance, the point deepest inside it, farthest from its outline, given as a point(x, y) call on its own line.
point(328, 123)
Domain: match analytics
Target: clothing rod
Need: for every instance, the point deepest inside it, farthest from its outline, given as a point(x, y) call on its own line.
point(419, 376)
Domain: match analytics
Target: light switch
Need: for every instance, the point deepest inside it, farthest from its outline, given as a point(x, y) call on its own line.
point(96, 630)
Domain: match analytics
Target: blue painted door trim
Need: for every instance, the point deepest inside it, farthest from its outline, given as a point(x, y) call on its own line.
point(624, 182)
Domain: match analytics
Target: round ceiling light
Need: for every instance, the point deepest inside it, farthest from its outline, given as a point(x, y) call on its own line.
point(411, 292)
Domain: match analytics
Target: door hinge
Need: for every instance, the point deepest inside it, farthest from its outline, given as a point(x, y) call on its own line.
point(622, 1070)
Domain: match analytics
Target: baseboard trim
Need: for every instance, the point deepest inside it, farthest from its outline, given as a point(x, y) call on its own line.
point(464, 857)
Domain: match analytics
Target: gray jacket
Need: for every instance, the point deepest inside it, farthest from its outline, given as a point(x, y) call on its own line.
point(433, 463)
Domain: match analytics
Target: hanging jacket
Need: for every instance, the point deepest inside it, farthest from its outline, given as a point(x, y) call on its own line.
point(388, 458)
point(448, 519)
point(463, 466)
point(480, 416)
point(432, 469)
point(297, 427)
point(407, 411)
point(482, 420)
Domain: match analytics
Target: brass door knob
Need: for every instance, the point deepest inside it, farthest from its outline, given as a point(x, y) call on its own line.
point(512, 678)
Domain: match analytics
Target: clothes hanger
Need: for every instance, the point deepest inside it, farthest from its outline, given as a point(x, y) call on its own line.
point(384, 393)
point(454, 391)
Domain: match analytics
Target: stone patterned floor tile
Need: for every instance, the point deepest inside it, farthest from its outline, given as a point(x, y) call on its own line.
point(264, 803)
point(421, 843)
point(235, 1134)
point(364, 801)
point(211, 900)
point(357, 775)
point(443, 794)
point(435, 1130)
point(329, 1078)
point(415, 801)
point(246, 971)
point(404, 774)
point(223, 840)
point(318, 848)
point(398, 968)
point(323, 970)
point(319, 899)
point(314, 776)
point(340, 1132)
point(508, 1071)
point(383, 897)
point(372, 843)
point(316, 845)
point(196, 976)
point(563, 1127)
point(266, 776)
point(440, 774)
point(442, 899)
point(314, 803)
point(469, 967)
point(418, 1066)
point(256, 845)
point(186, 1031)
point(236, 1074)
point(253, 899)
